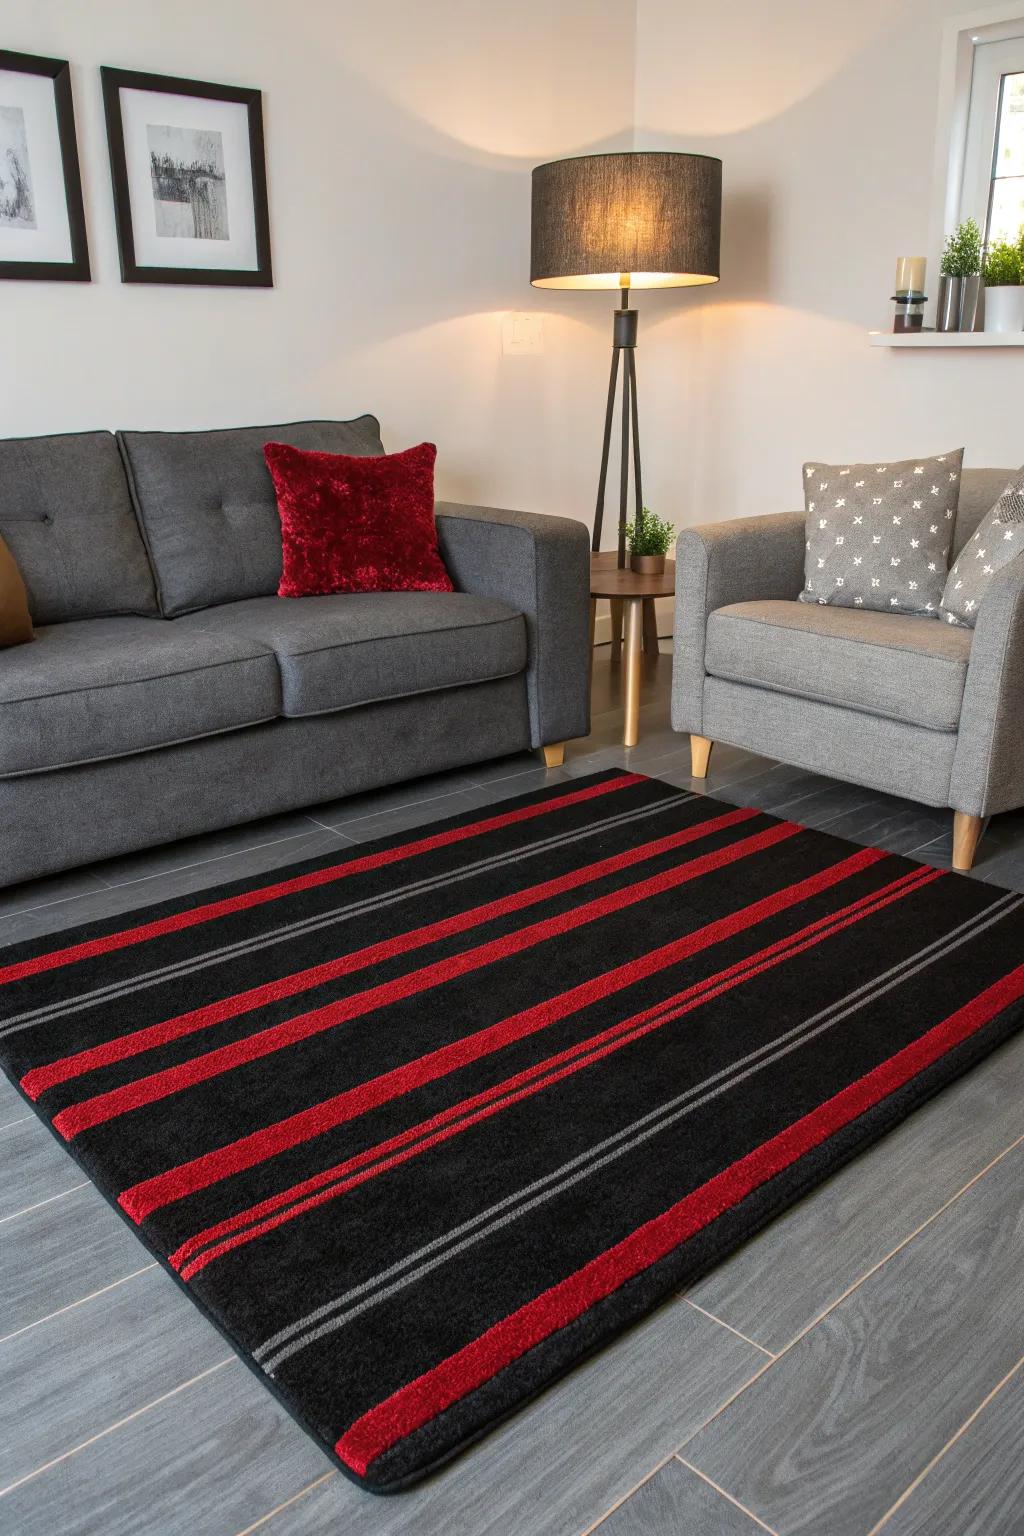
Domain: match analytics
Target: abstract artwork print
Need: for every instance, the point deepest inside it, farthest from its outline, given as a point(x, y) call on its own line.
point(189, 185)
point(17, 203)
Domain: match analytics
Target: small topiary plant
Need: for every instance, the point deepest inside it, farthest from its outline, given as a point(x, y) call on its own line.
point(648, 535)
point(1003, 265)
point(962, 254)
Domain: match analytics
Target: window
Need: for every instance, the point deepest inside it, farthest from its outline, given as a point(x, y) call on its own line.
point(1006, 202)
point(993, 182)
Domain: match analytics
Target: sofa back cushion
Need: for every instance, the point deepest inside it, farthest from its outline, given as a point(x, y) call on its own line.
point(66, 516)
point(207, 506)
point(980, 489)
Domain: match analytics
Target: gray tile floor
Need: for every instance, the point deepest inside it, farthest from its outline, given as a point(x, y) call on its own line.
point(858, 1367)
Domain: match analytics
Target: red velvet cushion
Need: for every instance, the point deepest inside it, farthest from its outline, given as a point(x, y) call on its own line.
point(354, 524)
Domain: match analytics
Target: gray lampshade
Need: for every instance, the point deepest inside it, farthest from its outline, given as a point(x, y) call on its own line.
point(653, 216)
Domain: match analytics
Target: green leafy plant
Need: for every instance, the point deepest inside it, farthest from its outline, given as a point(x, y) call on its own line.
point(962, 254)
point(648, 535)
point(1003, 265)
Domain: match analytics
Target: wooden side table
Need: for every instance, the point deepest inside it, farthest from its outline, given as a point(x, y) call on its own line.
point(634, 592)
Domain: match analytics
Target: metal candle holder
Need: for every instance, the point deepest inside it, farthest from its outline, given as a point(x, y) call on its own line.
point(909, 311)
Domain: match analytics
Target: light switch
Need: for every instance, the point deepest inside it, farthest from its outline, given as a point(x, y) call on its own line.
point(521, 334)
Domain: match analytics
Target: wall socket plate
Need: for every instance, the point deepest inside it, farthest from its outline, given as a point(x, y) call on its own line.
point(521, 334)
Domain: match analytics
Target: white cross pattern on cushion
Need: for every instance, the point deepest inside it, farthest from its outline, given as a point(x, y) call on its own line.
point(883, 543)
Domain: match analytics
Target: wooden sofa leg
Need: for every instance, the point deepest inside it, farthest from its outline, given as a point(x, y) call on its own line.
point(554, 755)
point(700, 752)
point(966, 832)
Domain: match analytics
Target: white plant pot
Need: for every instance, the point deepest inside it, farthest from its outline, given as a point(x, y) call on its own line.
point(1004, 308)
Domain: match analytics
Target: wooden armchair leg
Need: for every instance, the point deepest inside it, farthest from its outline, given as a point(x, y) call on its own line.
point(700, 752)
point(966, 832)
point(554, 755)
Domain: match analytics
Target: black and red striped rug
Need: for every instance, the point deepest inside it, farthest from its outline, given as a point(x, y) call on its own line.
point(421, 1125)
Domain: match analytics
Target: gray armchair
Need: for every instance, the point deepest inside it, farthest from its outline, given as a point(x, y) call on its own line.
point(907, 705)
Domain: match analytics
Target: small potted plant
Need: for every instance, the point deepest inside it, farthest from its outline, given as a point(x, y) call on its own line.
point(1004, 286)
point(959, 281)
point(649, 541)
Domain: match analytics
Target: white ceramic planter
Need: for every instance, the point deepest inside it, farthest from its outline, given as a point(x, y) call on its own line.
point(1004, 308)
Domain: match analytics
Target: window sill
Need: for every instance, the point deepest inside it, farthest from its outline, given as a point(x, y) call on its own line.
point(923, 339)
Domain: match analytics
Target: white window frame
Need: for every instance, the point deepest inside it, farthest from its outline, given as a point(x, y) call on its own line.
point(992, 60)
point(964, 148)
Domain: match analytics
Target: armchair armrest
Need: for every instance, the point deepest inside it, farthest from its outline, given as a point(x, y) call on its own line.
point(720, 563)
point(988, 766)
point(539, 565)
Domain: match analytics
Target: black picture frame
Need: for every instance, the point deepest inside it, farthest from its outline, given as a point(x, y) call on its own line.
point(77, 269)
point(113, 82)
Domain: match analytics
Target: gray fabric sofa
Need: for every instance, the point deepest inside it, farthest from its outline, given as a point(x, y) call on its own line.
point(908, 705)
point(169, 691)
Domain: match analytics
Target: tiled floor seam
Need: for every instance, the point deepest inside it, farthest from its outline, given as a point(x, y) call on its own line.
point(761, 1349)
point(886, 1258)
point(933, 1463)
point(83, 1445)
point(217, 858)
point(820, 1317)
point(625, 1497)
point(58, 901)
point(27, 1209)
point(81, 1302)
point(727, 1496)
point(279, 1509)
point(407, 805)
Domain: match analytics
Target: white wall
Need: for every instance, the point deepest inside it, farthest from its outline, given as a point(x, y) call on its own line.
point(824, 114)
point(400, 139)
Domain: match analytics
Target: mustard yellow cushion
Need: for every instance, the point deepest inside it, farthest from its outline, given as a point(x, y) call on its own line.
point(15, 622)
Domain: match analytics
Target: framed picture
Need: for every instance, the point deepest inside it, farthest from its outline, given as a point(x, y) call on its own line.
point(42, 222)
point(190, 180)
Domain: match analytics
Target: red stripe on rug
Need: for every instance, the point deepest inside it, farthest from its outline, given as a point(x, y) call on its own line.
point(452, 1379)
point(39, 1079)
point(214, 909)
point(147, 1196)
point(101, 1107)
point(399, 1149)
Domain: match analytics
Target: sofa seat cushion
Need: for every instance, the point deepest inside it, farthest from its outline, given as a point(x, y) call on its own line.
point(353, 648)
point(101, 688)
point(894, 665)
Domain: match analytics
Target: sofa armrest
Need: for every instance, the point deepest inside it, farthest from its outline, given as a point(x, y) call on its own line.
point(988, 767)
point(720, 563)
point(539, 565)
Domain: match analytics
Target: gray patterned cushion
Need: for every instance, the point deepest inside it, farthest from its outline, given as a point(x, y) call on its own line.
point(1011, 502)
point(999, 539)
point(879, 535)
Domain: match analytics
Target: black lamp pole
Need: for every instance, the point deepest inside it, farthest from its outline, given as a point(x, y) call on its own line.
point(624, 329)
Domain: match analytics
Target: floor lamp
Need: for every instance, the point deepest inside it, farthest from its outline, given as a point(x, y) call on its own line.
point(645, 219)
